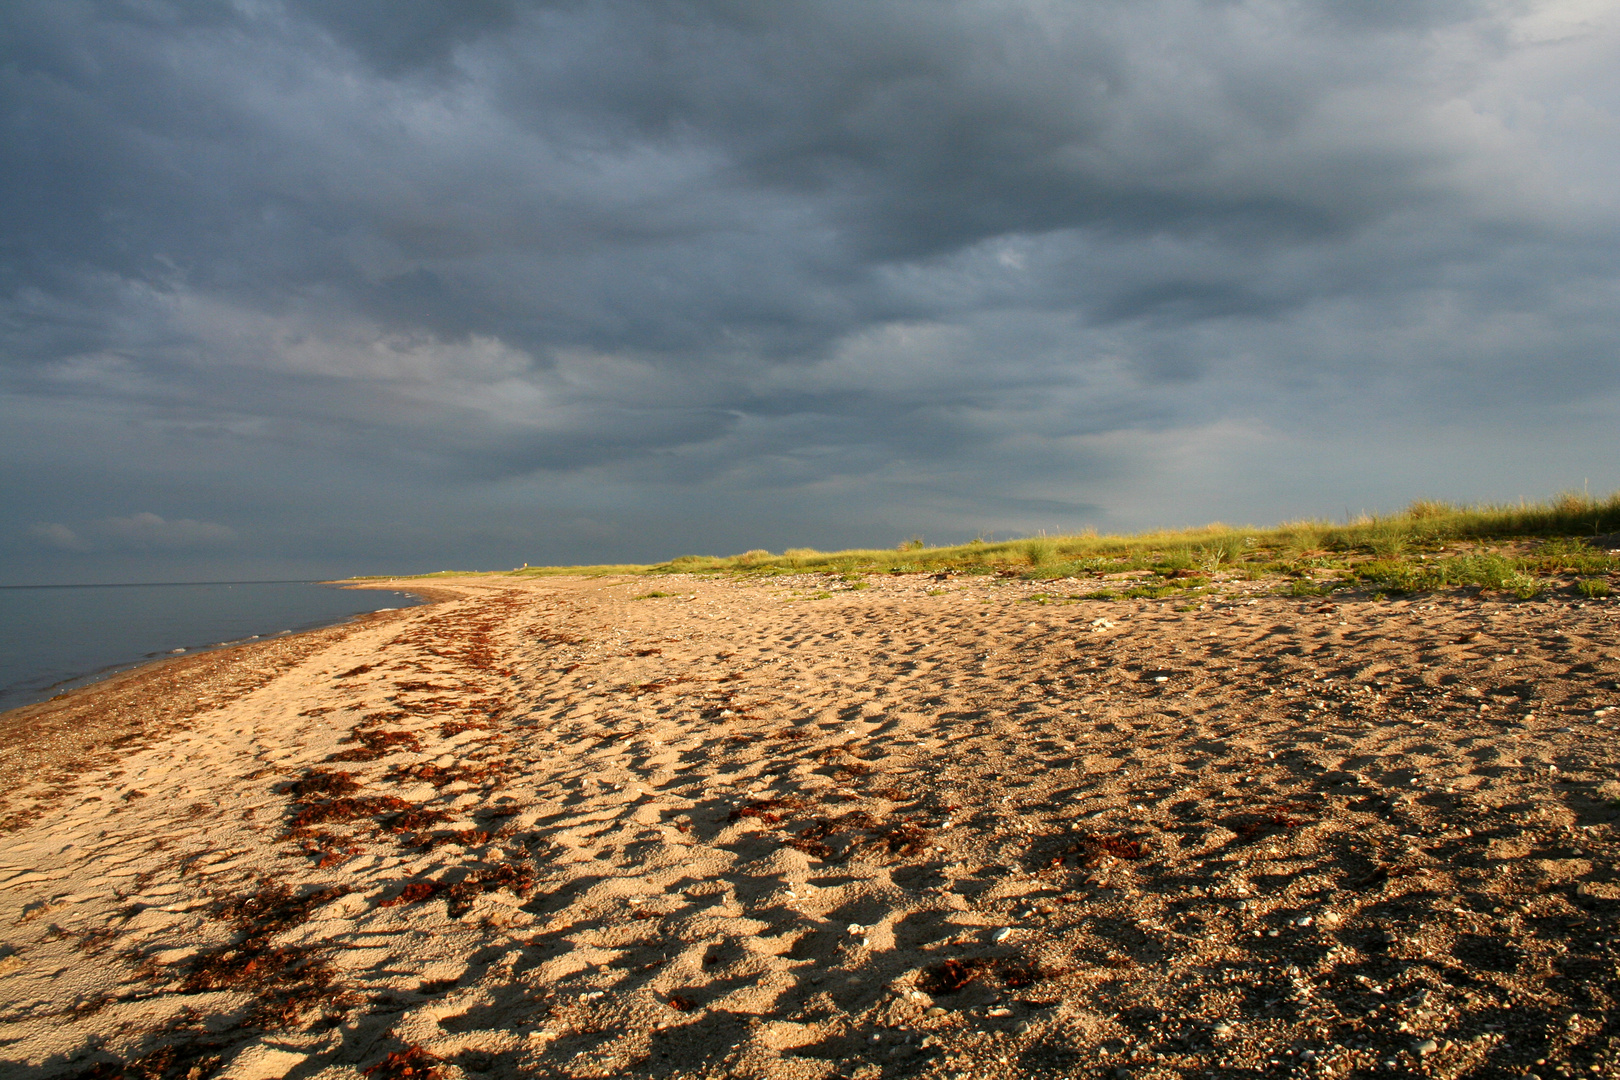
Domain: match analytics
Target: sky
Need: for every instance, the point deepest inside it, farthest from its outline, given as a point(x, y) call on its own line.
point(293, 288)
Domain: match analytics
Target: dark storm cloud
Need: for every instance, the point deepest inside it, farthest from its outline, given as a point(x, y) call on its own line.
point(401, 36)
point(889, 259)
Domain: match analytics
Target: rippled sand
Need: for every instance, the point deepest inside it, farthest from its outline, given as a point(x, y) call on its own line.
point(788, 828)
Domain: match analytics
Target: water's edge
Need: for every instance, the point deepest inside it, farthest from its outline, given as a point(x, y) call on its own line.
point(103, 676)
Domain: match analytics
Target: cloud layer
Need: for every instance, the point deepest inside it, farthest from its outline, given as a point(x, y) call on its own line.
point(384, 284)
point(138, 531)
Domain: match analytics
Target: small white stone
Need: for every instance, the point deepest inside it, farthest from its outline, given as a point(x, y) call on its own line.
point(1001, 935)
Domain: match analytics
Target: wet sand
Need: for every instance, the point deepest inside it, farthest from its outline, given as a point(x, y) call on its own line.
point(789, 828)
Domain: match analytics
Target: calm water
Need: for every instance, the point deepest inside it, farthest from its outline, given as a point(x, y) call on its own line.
point(55, 637)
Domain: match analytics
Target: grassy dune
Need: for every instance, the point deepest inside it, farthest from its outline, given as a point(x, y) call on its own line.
point(1523, 549)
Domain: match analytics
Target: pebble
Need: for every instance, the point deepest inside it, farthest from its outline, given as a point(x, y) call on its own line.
point(1425, 1048)
point(1001, 935)
point(855, 928)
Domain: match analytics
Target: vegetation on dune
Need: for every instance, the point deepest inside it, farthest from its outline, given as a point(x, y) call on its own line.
point(1430, 546)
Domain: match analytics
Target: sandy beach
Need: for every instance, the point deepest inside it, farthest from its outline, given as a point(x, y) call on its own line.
point(804, 827)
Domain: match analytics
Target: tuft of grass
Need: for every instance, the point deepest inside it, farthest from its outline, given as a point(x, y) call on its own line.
point(1389, 540)
point(1425, 509)
point(1176, 560)
point(1486, 571)
point(1210, 557)
point(1592, 588)
point(1039, 550)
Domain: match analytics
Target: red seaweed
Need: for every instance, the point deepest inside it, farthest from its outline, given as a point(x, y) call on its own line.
point(411, 1063)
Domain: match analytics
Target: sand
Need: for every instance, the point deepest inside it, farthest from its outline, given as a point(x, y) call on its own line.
point(793, 828)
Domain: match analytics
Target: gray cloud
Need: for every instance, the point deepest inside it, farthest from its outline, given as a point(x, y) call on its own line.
point(141, 531)
point(810, 273)
point(147, 529)
point(57, 535)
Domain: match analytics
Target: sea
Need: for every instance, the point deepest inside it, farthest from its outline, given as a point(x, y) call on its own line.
point(56, 637)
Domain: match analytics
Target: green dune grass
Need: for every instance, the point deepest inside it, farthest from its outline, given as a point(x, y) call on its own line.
point(1521, 549)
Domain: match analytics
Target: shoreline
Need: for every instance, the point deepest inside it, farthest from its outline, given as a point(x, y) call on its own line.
point(53, 740)
point(802, 829)
point(75, 684)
